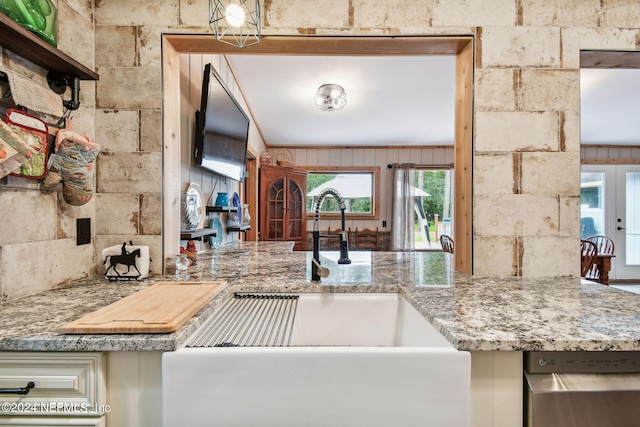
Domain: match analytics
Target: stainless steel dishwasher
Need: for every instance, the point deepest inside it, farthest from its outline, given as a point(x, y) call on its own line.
point(586, 389)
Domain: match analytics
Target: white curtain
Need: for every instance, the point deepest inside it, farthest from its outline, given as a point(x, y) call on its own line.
point(402, 231)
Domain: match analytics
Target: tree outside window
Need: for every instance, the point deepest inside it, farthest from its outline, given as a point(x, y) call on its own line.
point(437, 206)
point(359, 187)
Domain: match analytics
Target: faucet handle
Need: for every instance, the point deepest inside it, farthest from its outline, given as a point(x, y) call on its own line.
point(322, 272)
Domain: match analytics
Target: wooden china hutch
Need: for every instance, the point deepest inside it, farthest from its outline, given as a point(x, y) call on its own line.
point(283, 205)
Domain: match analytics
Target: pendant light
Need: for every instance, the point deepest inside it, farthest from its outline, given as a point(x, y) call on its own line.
point(235, 22)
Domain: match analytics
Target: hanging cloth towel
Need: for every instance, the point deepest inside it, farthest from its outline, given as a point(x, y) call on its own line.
point(73, 165)
point(27, 93)
point(34, 132)
point(14, 152)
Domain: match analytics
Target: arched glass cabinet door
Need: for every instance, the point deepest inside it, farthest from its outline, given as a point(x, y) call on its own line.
point(282, 214)
point(295, 210)
point(276, 209)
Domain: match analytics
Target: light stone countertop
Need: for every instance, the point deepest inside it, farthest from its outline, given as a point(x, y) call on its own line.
point(474, 313)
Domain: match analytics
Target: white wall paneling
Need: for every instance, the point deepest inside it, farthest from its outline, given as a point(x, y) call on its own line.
point(191, 73)
point(609, 154)
point(369, 156)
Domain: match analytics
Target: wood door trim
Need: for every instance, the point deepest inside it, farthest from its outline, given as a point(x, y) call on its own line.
point(325, 45)
point(251, 194)
point(462, 46)
point(610, 59)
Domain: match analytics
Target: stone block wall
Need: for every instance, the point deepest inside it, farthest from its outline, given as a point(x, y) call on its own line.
point(526, 153)
point(527, 130)
point(38, 233)
point(129, 121)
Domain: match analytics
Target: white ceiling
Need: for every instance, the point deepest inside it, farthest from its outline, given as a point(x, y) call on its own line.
point(609, 106)
point(391, 100)
point(402, 100)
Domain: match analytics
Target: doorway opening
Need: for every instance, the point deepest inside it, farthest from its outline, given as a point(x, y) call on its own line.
point(610, 156)
point(610, 206)
point(433, 207)
point(461, 46)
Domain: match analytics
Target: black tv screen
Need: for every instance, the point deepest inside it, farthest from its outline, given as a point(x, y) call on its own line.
point(222, 129)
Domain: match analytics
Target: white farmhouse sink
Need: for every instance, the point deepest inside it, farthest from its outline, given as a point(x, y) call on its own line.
point(352, 360)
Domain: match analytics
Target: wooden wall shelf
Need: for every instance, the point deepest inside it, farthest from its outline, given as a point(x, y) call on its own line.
point(23, 42)
point(197, 234)
point(241, 228)
point(222, 209)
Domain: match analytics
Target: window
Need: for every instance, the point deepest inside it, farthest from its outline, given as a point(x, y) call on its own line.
point(434, 206)
point(358, 187)
point(591, 204)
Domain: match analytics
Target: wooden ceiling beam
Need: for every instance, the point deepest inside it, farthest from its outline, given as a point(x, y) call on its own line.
point(324, 45)
point(610, 59)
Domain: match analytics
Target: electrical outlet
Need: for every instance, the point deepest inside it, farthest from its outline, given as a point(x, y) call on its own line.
point(83, 231)
point(384, 224)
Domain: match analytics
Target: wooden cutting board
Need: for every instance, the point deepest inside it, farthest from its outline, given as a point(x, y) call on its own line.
point(160, 308)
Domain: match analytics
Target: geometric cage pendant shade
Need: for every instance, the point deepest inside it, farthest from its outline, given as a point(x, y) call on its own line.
point(235, 22)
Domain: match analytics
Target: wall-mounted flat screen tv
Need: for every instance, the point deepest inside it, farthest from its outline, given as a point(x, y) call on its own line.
point(222, 129)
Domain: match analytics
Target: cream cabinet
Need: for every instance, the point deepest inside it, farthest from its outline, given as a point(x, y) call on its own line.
point(69, 389)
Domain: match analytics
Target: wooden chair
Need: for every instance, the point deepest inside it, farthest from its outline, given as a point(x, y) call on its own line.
point(333, 243)
point(588, 253)
point(447, 243)
point(604, 246)
point(603, 243)
point(367, 239)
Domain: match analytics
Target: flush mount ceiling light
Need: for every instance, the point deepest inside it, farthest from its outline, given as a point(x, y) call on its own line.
point(331, 97)
point(235, 22)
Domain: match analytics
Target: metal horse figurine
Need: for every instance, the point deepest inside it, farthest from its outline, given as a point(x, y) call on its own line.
point(127, 258)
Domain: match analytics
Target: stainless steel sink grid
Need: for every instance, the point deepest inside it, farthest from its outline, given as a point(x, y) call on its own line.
point(249, 320)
